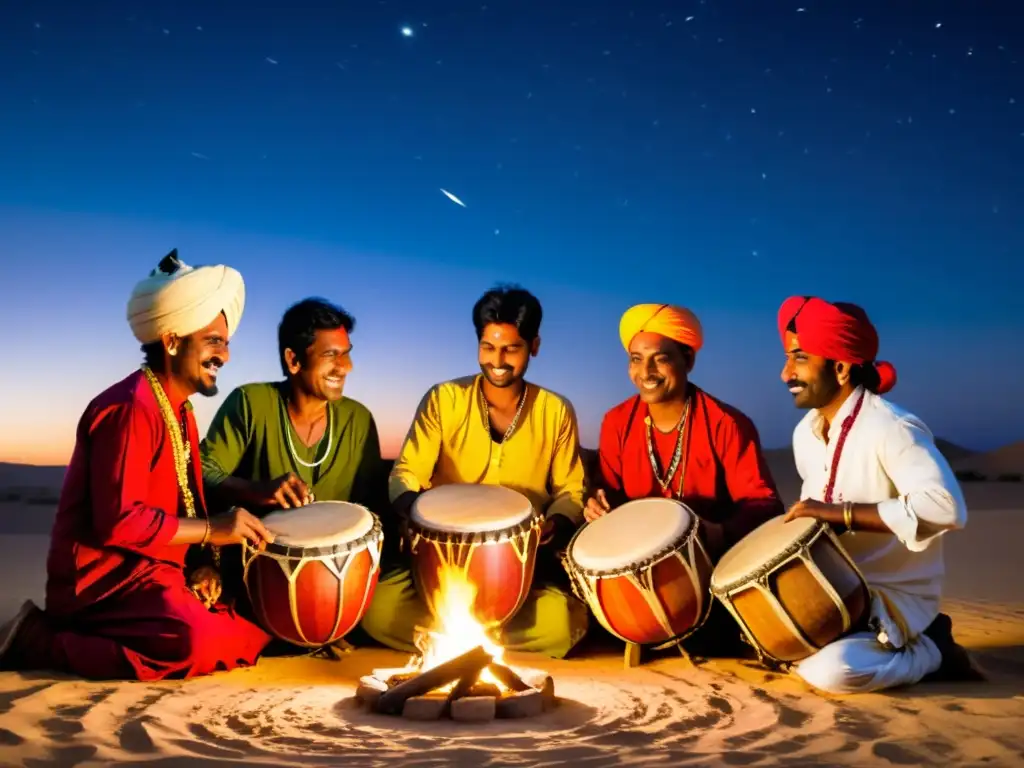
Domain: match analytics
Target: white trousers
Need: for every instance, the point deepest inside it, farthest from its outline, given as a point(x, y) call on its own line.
point(858, 663)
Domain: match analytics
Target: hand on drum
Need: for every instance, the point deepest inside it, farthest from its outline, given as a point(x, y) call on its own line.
point(597, 506)
point(237, 526)
point(807, 508)
point(206, 585)
point(287, 491)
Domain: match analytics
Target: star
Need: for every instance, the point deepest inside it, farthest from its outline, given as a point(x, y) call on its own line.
point(407, 32)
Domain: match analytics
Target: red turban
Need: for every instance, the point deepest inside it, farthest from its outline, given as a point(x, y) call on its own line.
point(839, 331)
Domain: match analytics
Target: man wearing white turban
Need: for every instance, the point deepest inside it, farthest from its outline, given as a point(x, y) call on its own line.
point(118, 601)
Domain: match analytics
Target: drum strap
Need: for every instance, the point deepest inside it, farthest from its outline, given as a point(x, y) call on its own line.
point(843, 433)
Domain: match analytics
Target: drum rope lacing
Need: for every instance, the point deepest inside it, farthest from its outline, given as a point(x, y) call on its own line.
point(677, 454)
point(279, 551)
point(622, 570)
point(330, 440)
point(804, 541)
point(444, 536)
point(515, 419)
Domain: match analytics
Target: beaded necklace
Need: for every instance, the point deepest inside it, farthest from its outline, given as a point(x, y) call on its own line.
point(178, 450)
point(677, 455)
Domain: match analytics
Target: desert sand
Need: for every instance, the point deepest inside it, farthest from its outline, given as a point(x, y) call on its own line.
point(301, 711)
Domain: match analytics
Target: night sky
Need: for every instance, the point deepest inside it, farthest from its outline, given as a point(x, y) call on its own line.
point(721, 155)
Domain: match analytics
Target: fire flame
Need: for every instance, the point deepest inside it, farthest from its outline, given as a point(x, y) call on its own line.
point(456, 630)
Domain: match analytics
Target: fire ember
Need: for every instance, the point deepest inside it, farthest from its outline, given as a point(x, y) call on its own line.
point(460, 672)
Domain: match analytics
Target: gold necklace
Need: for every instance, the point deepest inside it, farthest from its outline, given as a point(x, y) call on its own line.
point(515, 419)
point(178, 450)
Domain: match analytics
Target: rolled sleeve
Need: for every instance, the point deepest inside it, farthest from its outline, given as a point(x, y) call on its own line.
point(930, 501)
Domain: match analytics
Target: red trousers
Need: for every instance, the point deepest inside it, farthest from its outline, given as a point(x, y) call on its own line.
point(154, 629)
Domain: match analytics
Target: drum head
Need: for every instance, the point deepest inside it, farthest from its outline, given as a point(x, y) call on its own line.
point(759, 547)
point(319, 525)
point(470, 508)
point(631, 534)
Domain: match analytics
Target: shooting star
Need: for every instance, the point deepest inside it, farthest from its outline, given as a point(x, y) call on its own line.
point(452, 197)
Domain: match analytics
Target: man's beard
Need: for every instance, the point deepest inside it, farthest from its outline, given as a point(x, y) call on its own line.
point(815, 396)
point(206, 390)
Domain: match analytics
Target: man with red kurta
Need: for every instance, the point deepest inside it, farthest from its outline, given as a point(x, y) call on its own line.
point(121, 600)
point(675, 441)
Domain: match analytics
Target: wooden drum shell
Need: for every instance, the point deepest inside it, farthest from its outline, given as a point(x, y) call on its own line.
point(664, 598)
point(313, 597)
point(809, 596)
point(500, 564)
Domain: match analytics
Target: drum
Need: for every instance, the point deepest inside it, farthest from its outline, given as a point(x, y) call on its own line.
point(315, 582)
point(792, 588)
point(643, 570)
point(489, 532)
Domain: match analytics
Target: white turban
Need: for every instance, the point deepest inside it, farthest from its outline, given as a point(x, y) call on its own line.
point(180, 299)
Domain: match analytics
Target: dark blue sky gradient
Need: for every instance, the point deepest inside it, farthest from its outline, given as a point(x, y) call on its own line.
point(607, 152)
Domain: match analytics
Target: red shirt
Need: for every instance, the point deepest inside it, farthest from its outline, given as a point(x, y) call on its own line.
point(726, 478)
point(120, 502)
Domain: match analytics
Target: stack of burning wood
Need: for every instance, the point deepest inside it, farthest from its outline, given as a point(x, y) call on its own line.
point(454, 689)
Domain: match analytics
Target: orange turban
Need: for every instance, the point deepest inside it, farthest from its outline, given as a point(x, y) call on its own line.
point(676, 323)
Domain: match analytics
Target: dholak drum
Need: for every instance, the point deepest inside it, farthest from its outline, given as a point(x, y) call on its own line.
point(792, 588)
point(489, 532)
point(315, 582)
point(643, 570)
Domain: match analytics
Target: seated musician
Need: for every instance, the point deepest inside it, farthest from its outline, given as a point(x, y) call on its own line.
point(282, 444)
point(673, 440)
point(461, 427)
point(873, 471)
point(118, 599)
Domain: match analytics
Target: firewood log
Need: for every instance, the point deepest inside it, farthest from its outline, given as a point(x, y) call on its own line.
point(468, 664)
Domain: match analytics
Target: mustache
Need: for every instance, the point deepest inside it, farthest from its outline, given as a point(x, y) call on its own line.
point(796, 383)
point(216, 361)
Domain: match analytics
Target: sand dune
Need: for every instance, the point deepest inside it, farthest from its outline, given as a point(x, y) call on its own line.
point(1008, 460)
point(300, 711)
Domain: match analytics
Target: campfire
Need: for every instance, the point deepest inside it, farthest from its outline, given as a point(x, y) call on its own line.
point(460, 671)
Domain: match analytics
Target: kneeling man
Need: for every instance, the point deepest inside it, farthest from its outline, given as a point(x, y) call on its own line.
point(118, 601)
point(872, 470)
point(496, 429)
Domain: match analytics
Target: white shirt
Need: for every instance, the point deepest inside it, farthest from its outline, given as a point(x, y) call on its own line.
point(890, 459)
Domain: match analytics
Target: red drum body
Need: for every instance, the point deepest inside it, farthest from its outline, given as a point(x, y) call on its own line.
point(643, 571)
point(315, 582)
point(488, 532)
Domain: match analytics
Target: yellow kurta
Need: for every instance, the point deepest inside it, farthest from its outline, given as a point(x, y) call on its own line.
point(449, 442)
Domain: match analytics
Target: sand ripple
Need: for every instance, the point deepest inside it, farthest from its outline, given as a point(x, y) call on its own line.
point(667, 714)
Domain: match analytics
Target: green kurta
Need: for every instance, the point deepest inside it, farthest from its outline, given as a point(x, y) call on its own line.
point(248, 439)
point(251, 437)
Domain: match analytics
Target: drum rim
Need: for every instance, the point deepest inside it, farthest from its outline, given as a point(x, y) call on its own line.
point(801, 542)
point(292, 551)
point(621, 570)
point(443, 536)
